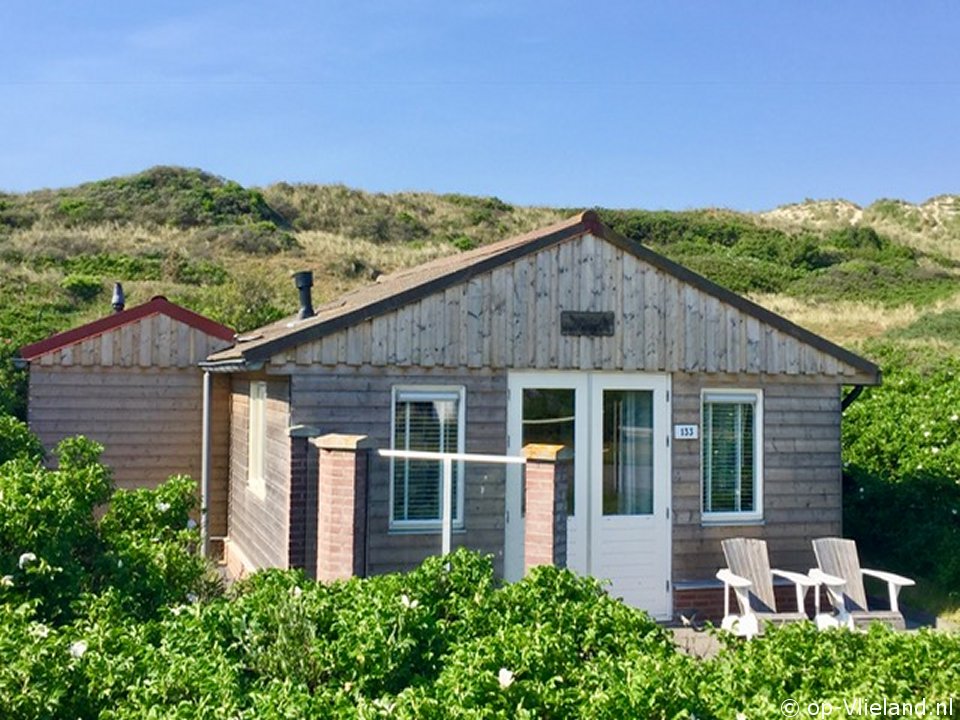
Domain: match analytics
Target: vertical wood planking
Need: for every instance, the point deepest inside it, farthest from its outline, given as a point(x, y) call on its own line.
point(519, 320)
point(498, 317)
point(486, 328)
point(673, 325)
point(755, 341)
point(585, 279)
point(106, 349)
point(613, 285)
point(631, 312)
point(546, 308)
point(453, 337)
point(380, 339)
point(474, 323)
point(652, 322)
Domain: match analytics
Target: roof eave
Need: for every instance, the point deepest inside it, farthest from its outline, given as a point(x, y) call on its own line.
point(230, 365)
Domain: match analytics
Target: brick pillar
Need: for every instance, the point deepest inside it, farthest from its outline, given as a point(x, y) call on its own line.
point(302, 549)
point(545, 490)
point(341, 520)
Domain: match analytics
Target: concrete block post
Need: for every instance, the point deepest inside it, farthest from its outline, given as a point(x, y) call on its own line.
point(342, 501)
point(549, 469)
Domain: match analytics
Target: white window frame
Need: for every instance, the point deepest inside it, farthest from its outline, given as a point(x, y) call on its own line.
point(257, 439)
point(738, 396)
point(399, 393)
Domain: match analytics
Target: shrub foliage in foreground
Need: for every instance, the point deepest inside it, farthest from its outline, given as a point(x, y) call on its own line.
point(444, 641)
point(108, 619)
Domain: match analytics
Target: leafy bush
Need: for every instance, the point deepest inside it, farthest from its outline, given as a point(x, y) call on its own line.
point(444, 641)
point(57, 556)
point(901, 445)
point(17, 442)
point(943, 326)
point(890, 283)
point(462, 242)
point(82, 288)
point(243, 302)
point(259, 238)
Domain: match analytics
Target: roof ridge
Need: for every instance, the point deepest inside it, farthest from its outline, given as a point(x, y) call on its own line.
point(158, 304)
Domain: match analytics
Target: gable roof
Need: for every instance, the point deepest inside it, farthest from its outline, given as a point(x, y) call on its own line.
point(158, 305)
point(407, 286)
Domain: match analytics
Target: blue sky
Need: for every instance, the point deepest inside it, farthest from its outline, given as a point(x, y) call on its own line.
point(670, 105)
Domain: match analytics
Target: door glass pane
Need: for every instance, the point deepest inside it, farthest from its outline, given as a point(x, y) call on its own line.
point(627, 452)
point(548, 418)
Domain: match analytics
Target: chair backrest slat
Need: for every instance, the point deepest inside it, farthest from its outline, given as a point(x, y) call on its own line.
point(837, 556)
point(748, 558)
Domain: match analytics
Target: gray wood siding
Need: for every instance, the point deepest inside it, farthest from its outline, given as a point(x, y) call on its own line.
point(801, 473)
point(357, 400)
point(219, 455)
point(260, 528)
point(149, 421)
point(153, 341)
point(510, 318)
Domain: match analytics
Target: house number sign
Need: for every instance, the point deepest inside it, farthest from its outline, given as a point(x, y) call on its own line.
point(686, 432)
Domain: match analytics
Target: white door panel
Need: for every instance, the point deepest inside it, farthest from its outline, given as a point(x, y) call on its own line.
point(620, 530)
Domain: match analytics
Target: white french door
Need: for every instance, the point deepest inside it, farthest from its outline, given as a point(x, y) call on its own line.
point(618, 525)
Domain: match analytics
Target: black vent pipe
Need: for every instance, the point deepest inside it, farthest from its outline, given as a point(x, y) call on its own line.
point(118, 301)
point(304, 281)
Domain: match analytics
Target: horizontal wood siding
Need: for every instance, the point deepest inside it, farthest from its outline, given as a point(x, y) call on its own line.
point(149, 420)
point(510, 318)
point(153, 341)
point(801, 472)
point(357, 400)
point(261, 527)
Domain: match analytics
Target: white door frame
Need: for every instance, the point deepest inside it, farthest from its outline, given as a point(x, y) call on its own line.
point(658, 522)
point(517, 382)
point(581, 530)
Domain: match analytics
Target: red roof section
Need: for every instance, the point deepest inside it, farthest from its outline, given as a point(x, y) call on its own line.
point(158, 305)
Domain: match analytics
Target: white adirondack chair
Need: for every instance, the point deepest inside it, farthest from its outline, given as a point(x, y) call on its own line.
point(748, 572)
point(840, 573)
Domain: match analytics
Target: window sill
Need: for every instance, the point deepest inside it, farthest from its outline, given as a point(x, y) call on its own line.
point(423, 530)
point(731, 522)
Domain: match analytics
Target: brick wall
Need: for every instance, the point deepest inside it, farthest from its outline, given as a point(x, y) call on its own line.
point(341, 518)
point(545, 488)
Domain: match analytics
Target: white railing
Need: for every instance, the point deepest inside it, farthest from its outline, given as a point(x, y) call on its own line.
point(446, 494)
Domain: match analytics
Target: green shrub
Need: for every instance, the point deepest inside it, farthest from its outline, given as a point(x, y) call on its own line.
point(82, 288)
point(943, 326)
point(17, 442)
point(259, 238)
point(462, 242)
point(889, 283)
point(901, 444)
point(58, 556)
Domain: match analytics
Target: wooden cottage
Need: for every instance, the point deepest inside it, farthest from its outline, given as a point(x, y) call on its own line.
point(691, 414)
point(130, 381)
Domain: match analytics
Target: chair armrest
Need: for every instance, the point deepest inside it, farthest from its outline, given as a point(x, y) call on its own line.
point(894, 583)
point(888, 577)
point(801, 583)
point(796, 578)
point(821, 578)
point(729, 578)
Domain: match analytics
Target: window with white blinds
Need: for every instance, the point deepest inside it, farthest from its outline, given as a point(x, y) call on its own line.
point(256, 438)
point(425, 419)
point(732, 456)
